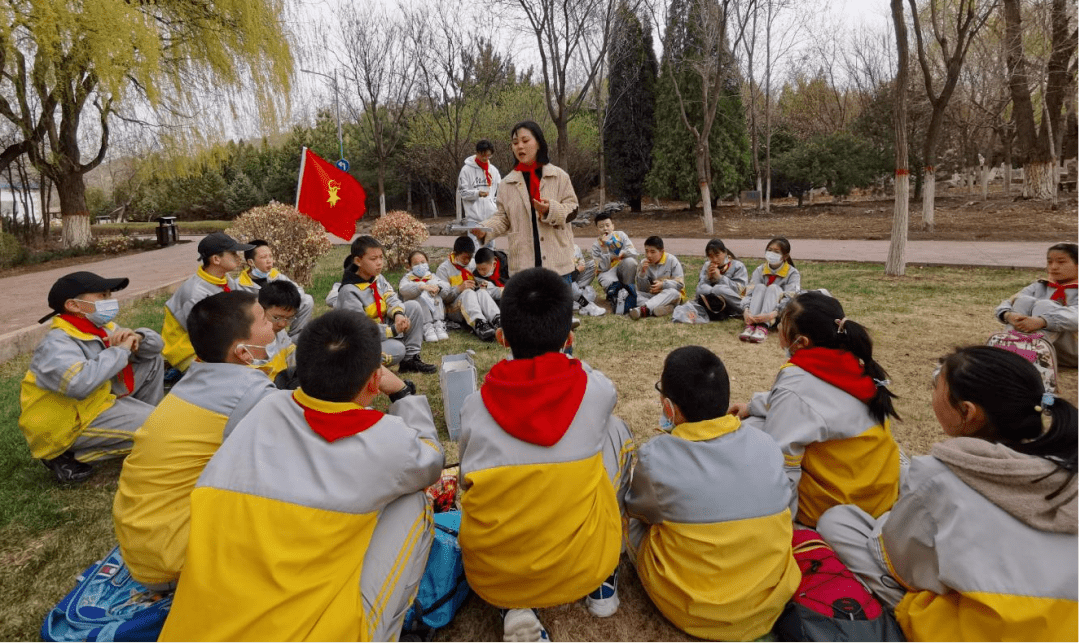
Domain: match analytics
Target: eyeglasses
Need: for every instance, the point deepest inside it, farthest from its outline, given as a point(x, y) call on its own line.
point(280, 319)
point(657, 387)
point(934, 376)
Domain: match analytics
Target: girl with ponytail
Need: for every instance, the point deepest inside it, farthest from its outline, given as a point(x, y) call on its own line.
point(829, 409)
point(982, 545)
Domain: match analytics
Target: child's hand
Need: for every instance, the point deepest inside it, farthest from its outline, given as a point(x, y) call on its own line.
point(739, 410)
point(1029, 324)
point(401, 323)
point(656, 287)
point(431, 288)
point(712, 272)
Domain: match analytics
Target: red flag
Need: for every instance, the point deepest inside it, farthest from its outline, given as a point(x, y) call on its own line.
point(332, 197)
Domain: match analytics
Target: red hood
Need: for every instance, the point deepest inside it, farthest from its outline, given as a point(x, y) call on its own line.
point(535, 400)
point(839, 368)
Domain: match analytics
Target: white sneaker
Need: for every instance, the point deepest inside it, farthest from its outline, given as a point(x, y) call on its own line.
point(604, 600)
point(440, 331)
point(593, 310)
point(523, 625)
point(429, 333)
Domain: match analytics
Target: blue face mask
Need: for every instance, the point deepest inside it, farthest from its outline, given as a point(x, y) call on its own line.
point(421, 270)
point(105, 310)
point(259, 274)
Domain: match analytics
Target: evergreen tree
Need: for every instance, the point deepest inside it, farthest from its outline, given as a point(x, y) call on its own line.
point(630, 122)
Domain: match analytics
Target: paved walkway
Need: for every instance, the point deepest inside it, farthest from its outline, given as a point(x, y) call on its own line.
point(22, 297)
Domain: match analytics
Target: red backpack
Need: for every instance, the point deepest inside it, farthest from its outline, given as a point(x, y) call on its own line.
point(831, 604)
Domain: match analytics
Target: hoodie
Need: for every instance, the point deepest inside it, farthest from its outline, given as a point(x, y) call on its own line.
point(471, 182)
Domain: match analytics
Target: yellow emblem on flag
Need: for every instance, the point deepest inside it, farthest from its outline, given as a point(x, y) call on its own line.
point(332, 188)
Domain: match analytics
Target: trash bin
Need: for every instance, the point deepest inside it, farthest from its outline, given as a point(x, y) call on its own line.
point(167, 233)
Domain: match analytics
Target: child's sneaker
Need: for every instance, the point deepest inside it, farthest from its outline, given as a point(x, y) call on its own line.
point(523, 625)
point(593, 310)
point(637, 312)
point(760, 333)
point(604, 601)
point(440, 331)
point(67, 469)
point(429, 333)
point(747, 333)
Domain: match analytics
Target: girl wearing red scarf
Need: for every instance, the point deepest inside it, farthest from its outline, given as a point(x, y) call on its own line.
point(1048, 306)
point(534, 207)
point(829, 410)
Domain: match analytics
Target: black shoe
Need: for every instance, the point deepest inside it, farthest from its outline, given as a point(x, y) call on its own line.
point(484, 331)
point(497, 322)
point(413, 364)
point(67, 469)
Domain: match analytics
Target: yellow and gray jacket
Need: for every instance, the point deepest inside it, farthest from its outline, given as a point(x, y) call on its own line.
point(252, 284)
point(734, 280)
point(152, 508)
point(984, 540)
point(1060, 319)
point(606, 256)
point(717, 557)
point(835, 451)
point(72, 378)
point(453, 274)
point(283, 515)
point(282, 353)
point(357, 294)
point(787, 278)
point(178, 350)
point(543, 464)
point(409, 286)
point(669, 270)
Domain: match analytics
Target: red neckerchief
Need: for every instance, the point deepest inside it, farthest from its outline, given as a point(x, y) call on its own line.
point(535, 400)
point(466, 275)
point(837, 367)
point(494, 278)
point(534, 183)
point(88, 327)
point(334, 426)
point(484, 166)
point(1059, 291)
point(378, 298)
point(771, 278)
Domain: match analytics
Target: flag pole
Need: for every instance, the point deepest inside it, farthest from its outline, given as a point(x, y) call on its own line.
point(300, 179)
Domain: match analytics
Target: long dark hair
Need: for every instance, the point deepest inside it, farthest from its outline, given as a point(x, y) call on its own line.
point(1010, 392)
point(715, 246)
point(814, 316)
point(538, 134)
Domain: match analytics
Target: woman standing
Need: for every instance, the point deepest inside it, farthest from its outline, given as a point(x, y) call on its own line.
point(534, 207)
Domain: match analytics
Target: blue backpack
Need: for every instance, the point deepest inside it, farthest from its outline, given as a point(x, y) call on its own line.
point(443, 587)
point(107, 604)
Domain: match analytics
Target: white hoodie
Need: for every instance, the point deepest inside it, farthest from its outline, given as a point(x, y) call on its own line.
point(471, 181)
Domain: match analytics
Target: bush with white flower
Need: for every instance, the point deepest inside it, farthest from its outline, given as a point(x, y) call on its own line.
point(297, 240)
point(400, 233)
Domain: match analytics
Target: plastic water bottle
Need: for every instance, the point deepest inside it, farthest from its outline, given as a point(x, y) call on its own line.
point(620, 305)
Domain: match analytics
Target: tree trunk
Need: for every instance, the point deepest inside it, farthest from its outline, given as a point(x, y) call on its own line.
point(706, 206)
point(928, 189)
point(563, 142)
point(895, 263)
point(984, 180)
point(382, 189)
point(76, 218)
point(1039, 176)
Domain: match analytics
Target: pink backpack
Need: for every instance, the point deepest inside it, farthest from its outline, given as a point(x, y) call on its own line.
point(1033, 347)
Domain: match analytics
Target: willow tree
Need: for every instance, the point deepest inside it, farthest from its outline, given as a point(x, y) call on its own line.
point(69, 68)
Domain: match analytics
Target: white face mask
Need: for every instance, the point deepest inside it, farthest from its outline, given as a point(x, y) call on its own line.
point(105, 310)
point(255, 362)
point(421, 270)
point(774, 258)
point(259, 274)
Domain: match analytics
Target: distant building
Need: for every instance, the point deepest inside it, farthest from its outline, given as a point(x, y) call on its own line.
point(13, 201)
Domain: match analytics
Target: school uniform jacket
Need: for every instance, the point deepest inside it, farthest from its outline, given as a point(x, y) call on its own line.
point(541, 517)
point(178, 350)
point(453, 274)
point(835, 451)
point(152, 508)
point(786, 277)
point(669, 270)
point(72, 378)
point(357, 294)
point(982, 551)
point(1061, 319)
point(717, 558)
point(605, 255)
point(409, 286)
point(282, 518)
point(248, 282)
point(282, 355)
point(735, 278)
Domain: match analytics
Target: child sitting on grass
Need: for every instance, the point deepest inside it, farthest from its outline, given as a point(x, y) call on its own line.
point(771, 287)
point(615, 259)
point(91, 383)
point(659, 281)
point(466, 302)
point(982, 544)
point(544, 467)
point(489, 274)
point(710, 480)
point(281, 300)
point(311, 521)
point(721, 283)
point(420, 284)
point(260, 271)
point(152, 509)
point(1048, 306)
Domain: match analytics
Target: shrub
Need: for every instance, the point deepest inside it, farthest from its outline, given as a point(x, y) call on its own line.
point(297, 240)
point(400, 234)
point(114, 245)
point(12, 252)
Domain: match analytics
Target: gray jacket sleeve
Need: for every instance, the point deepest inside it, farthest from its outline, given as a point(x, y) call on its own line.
point(1062, 318)
point(408, 288)
point(601, 256)
point(908, 535)
point(677, 277)
point(793, 424)
point(1006, 305)
point(348, 298)
point(642, 501)
point(247, 402)
point(151, 343)
point(418, 455)
point(60, 365)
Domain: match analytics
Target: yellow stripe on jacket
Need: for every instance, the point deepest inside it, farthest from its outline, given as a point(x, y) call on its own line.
point(985, 616)
point(679, 562)
point(297, 574)
point(560, 532)
point(51, 422)
point(178, 350)
point(863, 471)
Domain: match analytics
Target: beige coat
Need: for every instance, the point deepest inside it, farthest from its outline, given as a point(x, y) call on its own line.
point(513, 209)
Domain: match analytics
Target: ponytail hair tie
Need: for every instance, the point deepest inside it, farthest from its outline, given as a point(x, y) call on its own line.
point(882, 383)
point(840, 325)
point(1046, 402)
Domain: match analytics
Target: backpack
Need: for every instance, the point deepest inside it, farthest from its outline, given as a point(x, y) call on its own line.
point(622, 297)
point(715, 306)
point(830, 603)
point(443, 587)
point(1033, 347)
point(107, 604)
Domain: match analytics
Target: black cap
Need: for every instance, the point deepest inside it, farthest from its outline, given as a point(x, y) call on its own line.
point(79, 283)
point(216, 243)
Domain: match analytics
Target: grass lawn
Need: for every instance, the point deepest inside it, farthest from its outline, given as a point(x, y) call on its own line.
point(48, 534)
